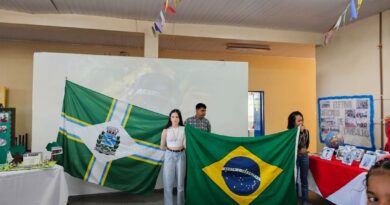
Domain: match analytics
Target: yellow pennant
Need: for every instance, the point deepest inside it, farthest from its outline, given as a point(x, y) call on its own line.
point(166, 5)
point(359, 5)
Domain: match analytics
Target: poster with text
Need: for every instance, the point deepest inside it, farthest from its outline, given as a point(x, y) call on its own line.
point(350, 116)
point(7, 122)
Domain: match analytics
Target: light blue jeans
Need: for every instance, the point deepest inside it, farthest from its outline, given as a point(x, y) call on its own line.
point(174, 170)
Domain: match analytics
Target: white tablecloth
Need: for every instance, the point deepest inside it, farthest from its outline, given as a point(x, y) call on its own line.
point(34, 187)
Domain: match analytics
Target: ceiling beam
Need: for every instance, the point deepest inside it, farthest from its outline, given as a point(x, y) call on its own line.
point(179, 29)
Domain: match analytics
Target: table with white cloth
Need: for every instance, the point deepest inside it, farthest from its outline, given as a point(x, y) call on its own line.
point(337, 182)
point(34, 187)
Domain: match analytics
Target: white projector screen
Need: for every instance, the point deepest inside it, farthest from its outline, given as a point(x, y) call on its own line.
point(159, 85)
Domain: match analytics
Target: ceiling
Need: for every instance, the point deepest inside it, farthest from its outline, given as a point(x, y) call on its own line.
point(299, 15)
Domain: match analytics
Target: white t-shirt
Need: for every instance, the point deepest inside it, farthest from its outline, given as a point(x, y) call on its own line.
point(175, 136)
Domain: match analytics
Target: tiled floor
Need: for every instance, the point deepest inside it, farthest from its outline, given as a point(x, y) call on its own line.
point(155, 198)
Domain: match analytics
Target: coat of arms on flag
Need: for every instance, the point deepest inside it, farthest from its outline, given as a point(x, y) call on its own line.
point(110, 142)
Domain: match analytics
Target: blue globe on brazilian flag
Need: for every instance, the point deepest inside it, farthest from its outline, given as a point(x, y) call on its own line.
point(240, 170)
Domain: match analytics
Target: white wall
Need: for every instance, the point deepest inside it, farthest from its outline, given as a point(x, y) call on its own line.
point(349, 65)
point(386, 61)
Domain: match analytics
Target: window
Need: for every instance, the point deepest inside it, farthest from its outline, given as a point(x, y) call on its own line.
point(255, 113)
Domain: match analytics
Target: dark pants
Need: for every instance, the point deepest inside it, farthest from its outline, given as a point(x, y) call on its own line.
point(303, 170)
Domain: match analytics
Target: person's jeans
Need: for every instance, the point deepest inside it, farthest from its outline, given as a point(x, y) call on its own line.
point(303, 169)
point(174, 168)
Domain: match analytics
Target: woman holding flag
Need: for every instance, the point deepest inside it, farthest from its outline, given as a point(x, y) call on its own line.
point(173, 142)
point(295, 119)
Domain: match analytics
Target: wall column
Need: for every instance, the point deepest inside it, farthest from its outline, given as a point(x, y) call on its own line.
point(150, 44)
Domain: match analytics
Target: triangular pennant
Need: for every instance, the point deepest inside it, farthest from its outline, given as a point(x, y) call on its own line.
point(328, 36)
point(169, 9)
point(353, 10)
point(337, 25)
point(157, 27)
point(162, 18)
point(359, 5)
point(154, 31)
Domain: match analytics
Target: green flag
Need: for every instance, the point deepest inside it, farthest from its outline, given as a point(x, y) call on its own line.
point(109, 142)
point(240, 170)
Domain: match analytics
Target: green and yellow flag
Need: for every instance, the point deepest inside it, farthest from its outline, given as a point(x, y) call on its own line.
point(240, 170)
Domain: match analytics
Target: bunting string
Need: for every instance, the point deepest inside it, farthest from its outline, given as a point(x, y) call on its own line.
point(354, 12)
point(168, 7)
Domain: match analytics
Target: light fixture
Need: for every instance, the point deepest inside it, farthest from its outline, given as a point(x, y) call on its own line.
point(247, 47)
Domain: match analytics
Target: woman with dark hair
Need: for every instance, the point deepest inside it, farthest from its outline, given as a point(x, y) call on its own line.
point(378, 182)
point(173, 142)
point(295, 119)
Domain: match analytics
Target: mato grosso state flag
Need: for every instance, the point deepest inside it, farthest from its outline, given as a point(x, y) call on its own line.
point(110, 142)
point(240, 170)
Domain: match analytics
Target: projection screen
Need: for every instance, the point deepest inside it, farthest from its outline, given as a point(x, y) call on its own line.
point(156, 84)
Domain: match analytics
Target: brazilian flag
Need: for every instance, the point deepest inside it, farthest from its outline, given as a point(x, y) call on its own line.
point(240, 170)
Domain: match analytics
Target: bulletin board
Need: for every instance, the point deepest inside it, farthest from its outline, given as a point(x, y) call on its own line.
point(350, 116)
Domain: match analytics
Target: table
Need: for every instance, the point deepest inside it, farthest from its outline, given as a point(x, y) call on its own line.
point(337, 182)
point(38, 186)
